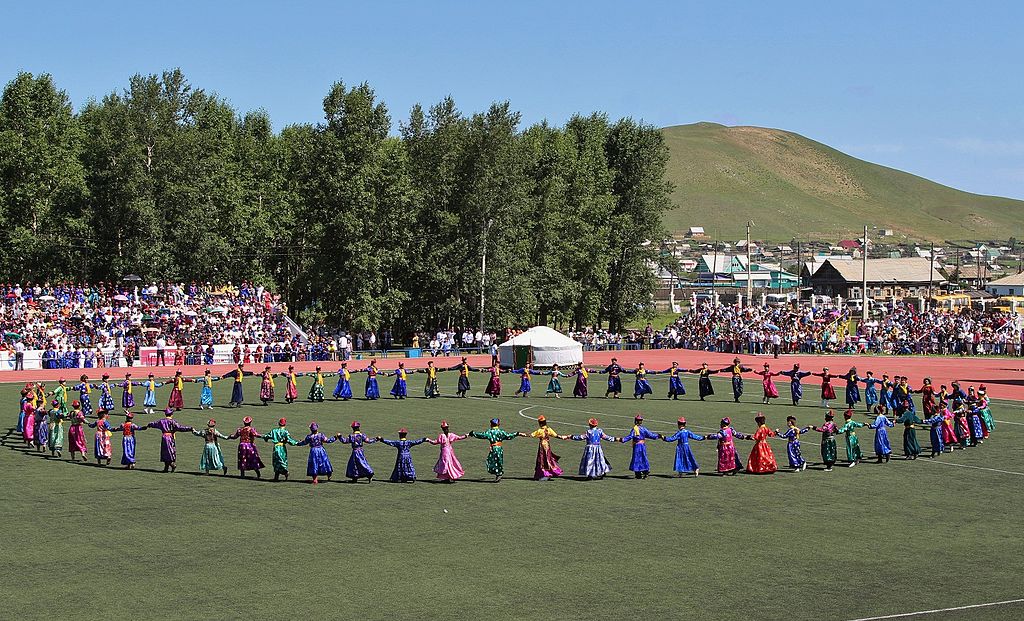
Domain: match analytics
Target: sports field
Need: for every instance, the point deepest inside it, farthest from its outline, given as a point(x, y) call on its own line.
point(100, 542)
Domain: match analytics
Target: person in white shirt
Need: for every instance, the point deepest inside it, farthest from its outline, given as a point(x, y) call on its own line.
point(19, 356)
point(161, 345)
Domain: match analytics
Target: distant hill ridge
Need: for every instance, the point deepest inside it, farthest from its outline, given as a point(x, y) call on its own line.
point(792, 186)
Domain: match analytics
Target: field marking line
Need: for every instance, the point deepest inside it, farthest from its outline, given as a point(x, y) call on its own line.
point(938, 610)
point(947, 463)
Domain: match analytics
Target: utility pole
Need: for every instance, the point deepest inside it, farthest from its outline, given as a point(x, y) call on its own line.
point(864, 278)
point(931, 273)
point(750, 284)
point(714, 268)
point(483, 272)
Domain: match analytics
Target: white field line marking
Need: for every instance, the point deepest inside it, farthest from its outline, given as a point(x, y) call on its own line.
point(947, 463)
point(937, 610)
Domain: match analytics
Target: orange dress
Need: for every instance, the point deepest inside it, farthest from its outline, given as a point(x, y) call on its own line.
point(762, 460)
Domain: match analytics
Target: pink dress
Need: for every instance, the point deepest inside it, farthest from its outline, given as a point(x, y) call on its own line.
point(448, 467)
point(769, 386)
point(76, 435)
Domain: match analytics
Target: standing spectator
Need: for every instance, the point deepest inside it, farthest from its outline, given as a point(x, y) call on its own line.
point(19, 356)
point(161, 345)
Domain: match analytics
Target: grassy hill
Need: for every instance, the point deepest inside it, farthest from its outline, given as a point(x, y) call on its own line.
point(793, 186)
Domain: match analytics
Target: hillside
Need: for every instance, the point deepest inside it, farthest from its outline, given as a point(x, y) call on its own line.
point(792, 186)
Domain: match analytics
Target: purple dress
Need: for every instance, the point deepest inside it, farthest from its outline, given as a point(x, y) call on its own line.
point(358, 468)
point(248, 456)
point(404, 470)
point(127, 398)
point(168, 427)
point(318, 464)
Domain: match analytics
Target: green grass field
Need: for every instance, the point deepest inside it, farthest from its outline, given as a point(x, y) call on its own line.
point(100, 542)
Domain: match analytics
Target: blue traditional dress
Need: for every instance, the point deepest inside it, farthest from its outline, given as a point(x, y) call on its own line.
point(852, 389)
point(882, 447)
point(127, 429)
point(127, 398)
point(84, 389)
point(149, 399)
point(641, 387)
point(318, 464)
point(935, 433)
point(614, 381)
point(675, 382)
point(792, 435)
point(639, 463)
point(401, 388)
point(106, 399)
point(212, 457)
point(343, 390)
point(404, 471)
point(685, 461)
point(796, 387)
point(871, 391)
point(594, 464)
point(237, 397)
point(524, 381)
point(554, 386)
point(372, 390)
point(358, 468)
point(205, 394)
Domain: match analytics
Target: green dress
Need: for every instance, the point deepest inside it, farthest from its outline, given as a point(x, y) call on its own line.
point(911, 448)
point(316, 391)
point(853, 452)
point(554, 386)
point(56, 440)
point(496, 458)
point(281, 439)
point(60, 394)
point(987, 420)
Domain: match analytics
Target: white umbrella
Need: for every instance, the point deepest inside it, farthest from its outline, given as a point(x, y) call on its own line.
point(191, 313)
point(46, 298)
point(121, 298)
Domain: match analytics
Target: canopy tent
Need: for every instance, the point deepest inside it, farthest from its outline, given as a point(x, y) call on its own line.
point(541, 345)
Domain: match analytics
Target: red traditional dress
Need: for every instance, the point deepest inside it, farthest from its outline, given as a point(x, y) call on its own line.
point(762, 460)
point(494, 386)
point(770, 391)
point(175, 401)
point(827, 392)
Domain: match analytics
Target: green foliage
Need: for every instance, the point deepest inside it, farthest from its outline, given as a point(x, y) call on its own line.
point(354, 225)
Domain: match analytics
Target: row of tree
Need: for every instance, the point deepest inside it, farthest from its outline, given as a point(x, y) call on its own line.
point(355, 225)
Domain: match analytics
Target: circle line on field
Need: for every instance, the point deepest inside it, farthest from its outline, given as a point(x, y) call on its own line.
point(939, 610)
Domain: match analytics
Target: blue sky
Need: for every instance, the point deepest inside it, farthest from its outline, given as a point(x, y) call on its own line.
point(934, 88)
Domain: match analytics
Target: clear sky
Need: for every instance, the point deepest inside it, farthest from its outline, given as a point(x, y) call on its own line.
point(934, 88)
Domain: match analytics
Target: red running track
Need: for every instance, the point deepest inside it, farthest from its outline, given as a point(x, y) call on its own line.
point(1003, 376)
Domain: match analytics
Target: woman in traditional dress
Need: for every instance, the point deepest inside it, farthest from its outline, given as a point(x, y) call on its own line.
point(372, 389)
point(168, 449)
point(685, 461)
point(911, 447)
point(343, 389)
point(42, 425)
point(704, 387)
point(641, 387)
point(358, 467)
point(404, 471)
point(237, 374)
point(852, 387)
point(212, 457)
point(55, 441)
point(828, 393)
point(400, 389)
point(580, 388)
point(882, 448)
point(494, 384)
point(547, 461)
point(149, 397)
point(106, 400)
point(853, 451)
point(205, 393)
point(639, 435)
point(463, 368)
point(871, 390)
point(318, 464)
point(266, 386)
point(496, 457)
point(792, 436)
point(927, 392)
point(128, 429)
point(248, 455)
point(76, 433)
point(430, 388)
point(796, 387)
point(761, 459)
point(291, 385)
point(593, 464)
point(524, 380)
point(676, 388)
point(613, 371)
point(554, 386)
point(447, 468)
point(768, 386)
point(728, 461)
point(281, 439)
point(316, 389)
point(176, 400)
point(28, 432)
point(127, 398)
point(828, 430)
point(101, 445)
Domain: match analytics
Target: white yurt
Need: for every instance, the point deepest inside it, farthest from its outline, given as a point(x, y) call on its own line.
point(543, 346)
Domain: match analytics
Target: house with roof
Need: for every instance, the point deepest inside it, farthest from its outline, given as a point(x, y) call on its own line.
point(1007, 286)
point(731, 271)
point(887, 278)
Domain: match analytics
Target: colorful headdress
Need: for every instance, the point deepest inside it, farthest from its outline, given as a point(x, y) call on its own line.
point(282, 422)
point(211, 423)
point(355, 424)
point(313, 426)
point(682, 420)
point(247, 420)
point(495, 422)
point(592, 422)
point(726, 421)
